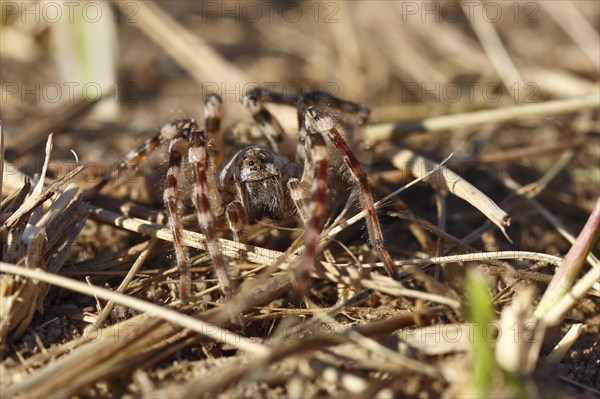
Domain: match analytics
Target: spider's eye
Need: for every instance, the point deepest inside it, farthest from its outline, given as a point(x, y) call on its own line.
point(251, 163)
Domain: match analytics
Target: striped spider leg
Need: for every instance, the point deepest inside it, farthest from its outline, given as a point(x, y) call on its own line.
point(323, 127)
point(255, 99)
point(206, 197)
point(134, 157)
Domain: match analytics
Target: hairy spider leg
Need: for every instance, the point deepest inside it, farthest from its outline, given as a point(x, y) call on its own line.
point(234, 212)
point(177, 150)
point(330, 128)
point(263, 95)
point(298, 195)
point(179, 134)
point(325, 100)
point(254, 101)
point(256, 98)
point(315, 143)
point(205, 200)
point(212, 122)
point(134, 157)
point(212, 114)
point(198, 158)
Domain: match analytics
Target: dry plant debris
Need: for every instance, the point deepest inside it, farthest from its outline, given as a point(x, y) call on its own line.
point(88, 292)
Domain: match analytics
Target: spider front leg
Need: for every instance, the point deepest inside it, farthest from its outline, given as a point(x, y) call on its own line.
point(198, 157)
point(133, 158)
point(235, 216)
point(294, 187)
point(329, 128)
point(212, 123)
point(176, 150)
point(325, 100)
point(183, 134)
point(319, 158)
point(254, 101)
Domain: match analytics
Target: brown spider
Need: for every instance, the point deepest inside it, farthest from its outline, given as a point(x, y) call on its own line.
point(256, 180)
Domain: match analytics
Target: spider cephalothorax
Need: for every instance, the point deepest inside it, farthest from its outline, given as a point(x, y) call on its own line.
point(259, 177)
point(260, 180)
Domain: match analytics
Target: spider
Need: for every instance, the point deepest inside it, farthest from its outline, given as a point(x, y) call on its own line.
point(257, 180)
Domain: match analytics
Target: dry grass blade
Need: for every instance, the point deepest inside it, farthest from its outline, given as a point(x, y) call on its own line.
point(19, 300)
point(569, 269)
point(517, 353)
point(35, 133)
point(487, 257)
point(363, 278)
point(575, 25)
point(385, 354)
point(494, 48)
point(44, 243)
point(34, 239)
point(555, 315)
point(113, 350)
point(123, 286)
point(230, 374)
point(13, 178)
point(341, 223)
point(203, 328)
point(389, 131)
point(445, 179)
point(427, 339)
point(561, 349)
point(190, 51)
point(190, 238)
point(36, 194)
point(433, 229)
point(542, 183)
point(484, 256)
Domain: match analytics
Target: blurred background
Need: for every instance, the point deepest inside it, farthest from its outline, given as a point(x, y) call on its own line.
point(105, 76)
point(406, 59)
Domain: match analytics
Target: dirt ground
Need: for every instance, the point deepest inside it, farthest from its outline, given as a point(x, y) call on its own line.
point(508, 89)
